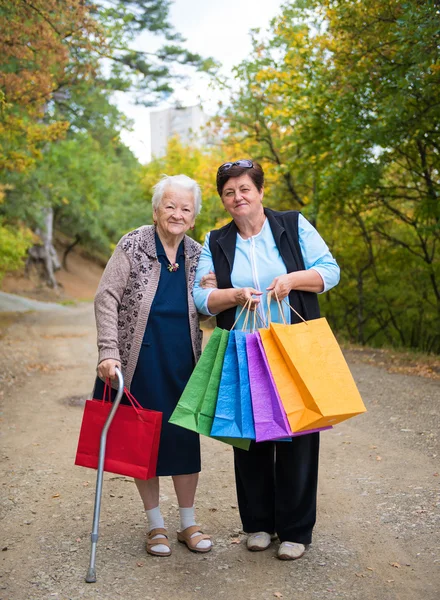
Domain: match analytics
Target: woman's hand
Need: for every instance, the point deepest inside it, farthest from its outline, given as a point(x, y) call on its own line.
point(220, 300)
point(208, 281)
point(281, 286)
point(106, 369)
point(246, 295)
point(307, 281)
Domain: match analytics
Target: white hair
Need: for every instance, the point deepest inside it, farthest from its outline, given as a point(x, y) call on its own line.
point(182, 181)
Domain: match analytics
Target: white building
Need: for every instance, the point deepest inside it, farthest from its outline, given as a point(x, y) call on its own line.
point(186, 122)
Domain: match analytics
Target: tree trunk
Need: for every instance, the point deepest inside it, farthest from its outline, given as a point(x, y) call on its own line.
point(360, 310)
point(69, 249)
point(45, 253)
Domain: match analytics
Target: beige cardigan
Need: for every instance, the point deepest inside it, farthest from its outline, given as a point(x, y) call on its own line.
point(125, 295)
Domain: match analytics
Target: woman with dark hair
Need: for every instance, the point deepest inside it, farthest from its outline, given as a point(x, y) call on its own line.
point(263, 250)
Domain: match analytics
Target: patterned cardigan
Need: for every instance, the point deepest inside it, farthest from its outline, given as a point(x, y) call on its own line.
point(125, 295)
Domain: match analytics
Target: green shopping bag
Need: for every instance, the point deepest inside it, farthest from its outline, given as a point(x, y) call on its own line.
point(196, 407)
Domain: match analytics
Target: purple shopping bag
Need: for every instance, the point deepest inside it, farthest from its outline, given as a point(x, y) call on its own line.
point(269, 416)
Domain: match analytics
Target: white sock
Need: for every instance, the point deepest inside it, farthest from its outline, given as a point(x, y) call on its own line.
point(187, 519)
point(155, 520)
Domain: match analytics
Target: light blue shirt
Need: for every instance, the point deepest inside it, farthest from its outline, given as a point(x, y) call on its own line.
point(258, 261)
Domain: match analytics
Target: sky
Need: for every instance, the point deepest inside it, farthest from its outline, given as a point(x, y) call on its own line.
point(218, 29)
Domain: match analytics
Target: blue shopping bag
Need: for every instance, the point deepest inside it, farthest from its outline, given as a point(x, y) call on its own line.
point(233, 414)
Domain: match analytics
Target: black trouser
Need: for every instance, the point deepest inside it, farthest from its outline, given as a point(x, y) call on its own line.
point(276, 487)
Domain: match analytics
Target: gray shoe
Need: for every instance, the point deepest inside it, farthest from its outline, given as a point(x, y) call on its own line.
point(290, 551)
point(256, 542)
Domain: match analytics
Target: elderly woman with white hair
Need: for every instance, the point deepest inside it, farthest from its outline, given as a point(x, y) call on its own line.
point(148, 327)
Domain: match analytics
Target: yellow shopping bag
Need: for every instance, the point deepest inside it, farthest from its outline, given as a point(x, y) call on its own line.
point(318, 369)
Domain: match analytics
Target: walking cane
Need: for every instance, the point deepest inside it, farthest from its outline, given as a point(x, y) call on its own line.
point(91, 573)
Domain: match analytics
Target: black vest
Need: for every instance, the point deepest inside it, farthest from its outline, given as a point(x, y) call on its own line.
point(284, 226)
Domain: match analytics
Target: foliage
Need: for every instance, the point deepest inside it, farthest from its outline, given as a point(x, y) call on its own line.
point(60, 148)
point(37, 44)
point(95, 192)
point(14, 244)
point(341, 103)
point(149, 74)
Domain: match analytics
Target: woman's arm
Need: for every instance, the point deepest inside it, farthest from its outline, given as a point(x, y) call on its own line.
point(204, 267)
point(321, 270)
point(210, 301)
point(107, 302)
point(220, 300)
point(307, 281)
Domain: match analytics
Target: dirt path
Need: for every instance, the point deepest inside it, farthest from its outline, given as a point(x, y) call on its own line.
point(377, 535)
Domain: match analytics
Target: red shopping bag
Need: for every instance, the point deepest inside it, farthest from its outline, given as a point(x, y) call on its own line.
point(132, 440)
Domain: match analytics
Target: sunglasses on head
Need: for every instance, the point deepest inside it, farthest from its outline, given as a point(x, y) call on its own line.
point(246, 163)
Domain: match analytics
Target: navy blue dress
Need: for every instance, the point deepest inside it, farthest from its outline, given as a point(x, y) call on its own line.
point(165, 364)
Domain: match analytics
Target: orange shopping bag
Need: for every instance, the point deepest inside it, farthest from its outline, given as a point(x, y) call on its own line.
point(298, 414)
point(320, 376)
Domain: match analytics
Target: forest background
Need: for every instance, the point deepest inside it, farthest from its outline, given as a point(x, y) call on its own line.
point(339, 101)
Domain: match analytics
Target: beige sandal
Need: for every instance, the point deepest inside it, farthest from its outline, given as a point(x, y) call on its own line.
point(184, 537)
point(162, 540)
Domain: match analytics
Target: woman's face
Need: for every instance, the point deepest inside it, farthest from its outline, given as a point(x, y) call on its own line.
point(241, 197)
point(175, 213)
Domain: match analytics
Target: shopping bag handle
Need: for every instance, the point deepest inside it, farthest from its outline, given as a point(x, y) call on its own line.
point(107, 395)
point(262, 321)
point(246, 319)
point(295, 311)
point(134, 403)
point(253, 320)
point(269, 297)
point(280, 309)
point(255, 315)
point(245, 306)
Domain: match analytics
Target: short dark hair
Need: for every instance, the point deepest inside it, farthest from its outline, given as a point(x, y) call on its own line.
point(255, 172)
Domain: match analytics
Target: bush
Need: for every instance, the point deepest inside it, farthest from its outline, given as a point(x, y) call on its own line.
point(14, 244)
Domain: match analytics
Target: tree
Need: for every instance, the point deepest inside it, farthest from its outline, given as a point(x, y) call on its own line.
point(36, 47)
point(342, 103)
point(51, 77)
point(14, 243)
point(149, 74)
point(37, 42)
